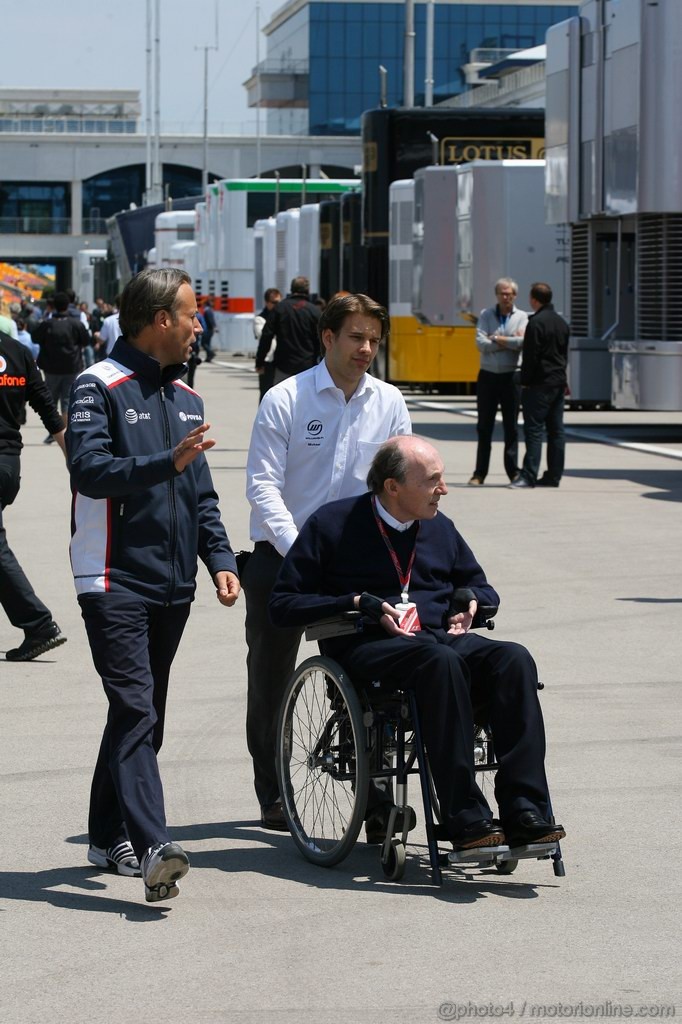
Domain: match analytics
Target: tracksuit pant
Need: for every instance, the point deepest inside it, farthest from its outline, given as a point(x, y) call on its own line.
point(133, 644)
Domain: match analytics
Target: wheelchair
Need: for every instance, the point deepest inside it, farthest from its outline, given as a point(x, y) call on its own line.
point(333, 739)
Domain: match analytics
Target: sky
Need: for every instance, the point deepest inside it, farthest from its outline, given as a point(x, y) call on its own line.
point(81, 44)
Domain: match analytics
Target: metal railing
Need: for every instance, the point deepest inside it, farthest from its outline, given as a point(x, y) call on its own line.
point(50, 226)
point(67, 126)
point(35, 225)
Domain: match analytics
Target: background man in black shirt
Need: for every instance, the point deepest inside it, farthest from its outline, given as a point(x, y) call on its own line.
point(20, 381)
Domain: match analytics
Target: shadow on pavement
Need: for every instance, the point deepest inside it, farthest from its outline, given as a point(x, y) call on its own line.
point(41, 887)
point(278, 857)
point(668, 482)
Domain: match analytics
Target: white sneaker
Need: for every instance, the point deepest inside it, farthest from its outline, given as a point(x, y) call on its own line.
point(120, 858)
point(162, 866)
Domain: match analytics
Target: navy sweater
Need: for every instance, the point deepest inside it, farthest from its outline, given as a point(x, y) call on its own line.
point(340, 553)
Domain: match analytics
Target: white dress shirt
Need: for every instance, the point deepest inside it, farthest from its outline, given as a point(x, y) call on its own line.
point(309, 446)
point(391, 520)
point(109, 332)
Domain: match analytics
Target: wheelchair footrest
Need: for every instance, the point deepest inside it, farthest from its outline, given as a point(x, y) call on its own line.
point(479, 855)
point(534, 851)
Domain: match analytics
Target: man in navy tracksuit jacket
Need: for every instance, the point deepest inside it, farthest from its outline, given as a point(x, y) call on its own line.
point(363, 553)
point(144, 508)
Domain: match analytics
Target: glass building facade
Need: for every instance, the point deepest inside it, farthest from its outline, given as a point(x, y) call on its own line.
point(344, 44)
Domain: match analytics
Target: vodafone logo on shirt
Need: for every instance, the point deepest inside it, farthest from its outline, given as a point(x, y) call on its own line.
point(8, 380)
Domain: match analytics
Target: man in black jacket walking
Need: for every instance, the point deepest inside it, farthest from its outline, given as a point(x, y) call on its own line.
point(294, 323)
point(20, 381)
point(543, 387)
point(62, 338)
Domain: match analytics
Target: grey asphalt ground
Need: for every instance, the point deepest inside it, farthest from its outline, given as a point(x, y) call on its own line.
point(590, 577)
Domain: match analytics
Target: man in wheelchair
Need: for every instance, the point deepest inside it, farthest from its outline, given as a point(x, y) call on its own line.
point(394, 557)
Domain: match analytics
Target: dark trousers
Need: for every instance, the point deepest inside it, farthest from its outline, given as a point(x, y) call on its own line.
point(447, 673)
point(270, 663)
point(18, 598)
point(133, 644)
point(543, 409)
point(206, 345)
point(266, 379)
point(497, 391)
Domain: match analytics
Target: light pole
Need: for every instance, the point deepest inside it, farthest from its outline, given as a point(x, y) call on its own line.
point(428, 82)
point(204, 172)
point(408, 66)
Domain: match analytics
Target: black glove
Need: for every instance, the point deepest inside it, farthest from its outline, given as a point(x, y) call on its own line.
point(371, 606)
point(461, 599)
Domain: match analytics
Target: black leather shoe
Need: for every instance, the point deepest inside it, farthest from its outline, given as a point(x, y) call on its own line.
point(478, 834)
point(546, 481)
point(272, 817)
point(529, 827)
point(519, 483)
point(376, 822)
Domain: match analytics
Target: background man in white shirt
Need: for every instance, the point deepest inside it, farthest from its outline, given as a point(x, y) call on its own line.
point(313, 441)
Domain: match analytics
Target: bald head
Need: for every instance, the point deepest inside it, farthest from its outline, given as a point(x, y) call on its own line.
point(407, 477)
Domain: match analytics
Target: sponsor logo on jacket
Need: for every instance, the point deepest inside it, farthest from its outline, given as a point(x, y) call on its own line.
point(132, 416)
point(184, 416)
point(80, 416)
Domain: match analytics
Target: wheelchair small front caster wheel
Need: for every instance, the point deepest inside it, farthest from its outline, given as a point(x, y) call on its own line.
point(506, 867)
point(394, 865)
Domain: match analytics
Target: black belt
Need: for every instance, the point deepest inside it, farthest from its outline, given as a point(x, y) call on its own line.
point(267, 548)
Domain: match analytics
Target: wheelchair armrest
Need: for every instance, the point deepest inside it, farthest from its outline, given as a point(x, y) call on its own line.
point(484, 616)
point(336, 625)
point(484, 613)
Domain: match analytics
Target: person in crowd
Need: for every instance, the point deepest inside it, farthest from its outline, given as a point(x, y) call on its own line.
point(499, 338)
point(62, 338)
point(394, 545)
point(294, 323)
point(209, 331)
point(109, 332)
point(144, 510)
point(543, 384)
point(7, 323)
point(312, 441)
point(195, 355)
point(24, 338)
point(20, 381)
point(266, 373)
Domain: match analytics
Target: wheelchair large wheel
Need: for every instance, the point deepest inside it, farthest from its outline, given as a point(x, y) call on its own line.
point(322, 763)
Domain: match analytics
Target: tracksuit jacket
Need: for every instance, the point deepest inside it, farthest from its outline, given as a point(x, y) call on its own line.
point(137, 524)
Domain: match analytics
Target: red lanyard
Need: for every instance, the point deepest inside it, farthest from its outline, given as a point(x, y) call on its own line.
point(404, 577)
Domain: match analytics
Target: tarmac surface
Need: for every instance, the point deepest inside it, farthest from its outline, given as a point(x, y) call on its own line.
point(590, 578)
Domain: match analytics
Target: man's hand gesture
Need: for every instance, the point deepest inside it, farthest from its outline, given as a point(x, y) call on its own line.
point(191, 446)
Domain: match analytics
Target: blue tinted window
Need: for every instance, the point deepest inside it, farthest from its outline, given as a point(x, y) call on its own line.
point(349, 40)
